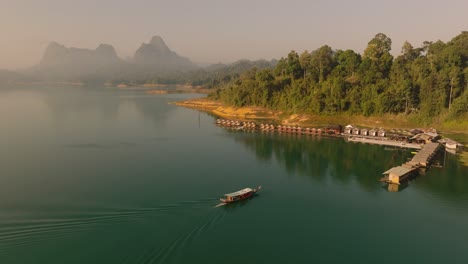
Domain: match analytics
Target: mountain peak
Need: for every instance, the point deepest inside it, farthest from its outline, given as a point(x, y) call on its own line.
point(158, 43)
point(156, 39)
point(156, 55)
point(54, 44)
point(106, 49)
point(53, 51)
point(55, 47)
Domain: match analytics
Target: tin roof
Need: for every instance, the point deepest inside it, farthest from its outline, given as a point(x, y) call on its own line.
point(241, 192)
point(431, 134)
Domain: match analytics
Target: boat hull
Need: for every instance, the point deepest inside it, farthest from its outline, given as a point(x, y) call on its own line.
point(240, 198)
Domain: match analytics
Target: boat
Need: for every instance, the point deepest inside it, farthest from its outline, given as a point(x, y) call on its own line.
point(239, 195)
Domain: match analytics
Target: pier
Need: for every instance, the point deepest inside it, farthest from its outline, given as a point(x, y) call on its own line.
point(386, 142)
point(422, 159)
point(425, 155)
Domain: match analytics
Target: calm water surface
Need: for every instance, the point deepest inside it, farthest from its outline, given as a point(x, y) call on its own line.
point(105, 176)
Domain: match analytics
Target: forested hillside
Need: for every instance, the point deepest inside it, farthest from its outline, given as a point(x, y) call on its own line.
point(426, 82)
point(208, 77)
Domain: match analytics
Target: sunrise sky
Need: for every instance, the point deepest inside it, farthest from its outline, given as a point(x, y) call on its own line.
point(211, 31)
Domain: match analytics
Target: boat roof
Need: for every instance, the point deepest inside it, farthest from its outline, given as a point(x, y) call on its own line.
point(241, 192)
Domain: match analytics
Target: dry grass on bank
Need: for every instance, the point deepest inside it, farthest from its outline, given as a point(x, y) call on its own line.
point(255, 113)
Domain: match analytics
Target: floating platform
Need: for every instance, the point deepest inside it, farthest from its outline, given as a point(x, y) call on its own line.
point(385, 142)
point(425, 155)
point(398, 174)
point(422, 159)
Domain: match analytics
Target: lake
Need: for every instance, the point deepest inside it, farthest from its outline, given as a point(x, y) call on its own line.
point(100, 175)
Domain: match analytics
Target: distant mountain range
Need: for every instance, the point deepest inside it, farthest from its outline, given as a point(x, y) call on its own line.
point(62, 63)
point(153, 62)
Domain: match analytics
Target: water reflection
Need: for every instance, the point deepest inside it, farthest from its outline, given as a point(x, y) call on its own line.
point(68, 102)
point(449, 181)
point(322, 158)
point(391, 187)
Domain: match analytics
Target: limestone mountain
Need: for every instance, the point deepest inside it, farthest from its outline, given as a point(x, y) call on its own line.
point(157, 56)
point(60, 62)
point(78, 64)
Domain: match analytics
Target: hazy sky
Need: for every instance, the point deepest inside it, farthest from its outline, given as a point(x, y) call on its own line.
point(210, 31)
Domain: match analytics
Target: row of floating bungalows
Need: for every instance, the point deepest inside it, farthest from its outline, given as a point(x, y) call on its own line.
point(235, 123)
point(331, 129)
point(364, 132)
point(301, 130)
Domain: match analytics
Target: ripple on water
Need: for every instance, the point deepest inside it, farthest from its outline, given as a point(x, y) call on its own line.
point(190, 234)
point(19, 232)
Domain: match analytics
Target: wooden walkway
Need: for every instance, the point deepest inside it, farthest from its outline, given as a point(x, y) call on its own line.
point(386, 142)
point(422, 159)
point(424, 156)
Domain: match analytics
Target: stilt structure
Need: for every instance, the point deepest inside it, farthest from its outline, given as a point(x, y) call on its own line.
point(422, 159)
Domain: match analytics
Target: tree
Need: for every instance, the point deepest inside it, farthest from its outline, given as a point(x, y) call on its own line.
point(408, 52)
point(293, 66)
point(305, 59)
point(322, 62)
point(378, 46)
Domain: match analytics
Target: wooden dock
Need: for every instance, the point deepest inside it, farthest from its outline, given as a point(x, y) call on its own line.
point(422, 159)
point(386, 142)
point(425, 155)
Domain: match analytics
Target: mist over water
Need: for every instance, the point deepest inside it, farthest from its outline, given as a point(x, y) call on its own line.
point(95, 175)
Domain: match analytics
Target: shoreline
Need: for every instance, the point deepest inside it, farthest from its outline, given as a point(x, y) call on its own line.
point(154, 85)
point(281, 118)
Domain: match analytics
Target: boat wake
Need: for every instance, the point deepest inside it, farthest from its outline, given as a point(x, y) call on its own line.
point(20, 232)
point(171, 251)
point(218, 205)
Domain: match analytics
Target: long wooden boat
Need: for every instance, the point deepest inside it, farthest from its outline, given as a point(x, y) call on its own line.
point(239, 195)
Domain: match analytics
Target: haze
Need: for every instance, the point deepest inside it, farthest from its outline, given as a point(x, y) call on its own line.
point(211, 31)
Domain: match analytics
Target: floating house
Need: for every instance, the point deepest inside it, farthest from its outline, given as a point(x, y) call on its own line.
point(451, 144)
point(398, 174)
point(333, 129)
point(348, 130)
point(425, 137)
point(381, 133)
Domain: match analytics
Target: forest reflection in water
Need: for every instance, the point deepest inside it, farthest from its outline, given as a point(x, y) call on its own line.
point(323, 158)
